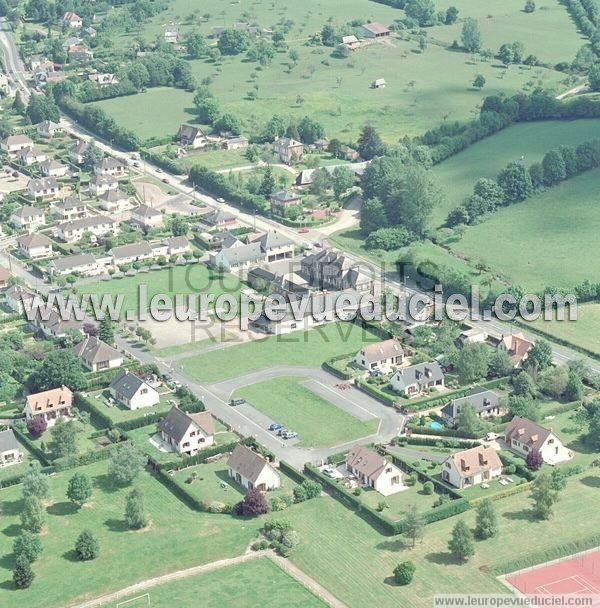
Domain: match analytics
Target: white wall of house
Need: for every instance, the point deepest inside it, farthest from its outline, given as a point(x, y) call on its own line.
point(451, 474)
point(145, 396)
point(9, 457)
point(195, 439)
point(267, 480)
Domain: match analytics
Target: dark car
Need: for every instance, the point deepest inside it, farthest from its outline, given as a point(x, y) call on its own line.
point(237, 401)
point(275, 426)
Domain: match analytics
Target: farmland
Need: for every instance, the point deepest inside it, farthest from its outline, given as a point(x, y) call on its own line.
point(299, 348)
point(316, 420)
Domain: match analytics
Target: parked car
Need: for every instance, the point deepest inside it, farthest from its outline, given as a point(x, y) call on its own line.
point(303, 230)
point(237, 401)
point(328, 471)
point(491, 436)
point(275, 426)
point(289, 435)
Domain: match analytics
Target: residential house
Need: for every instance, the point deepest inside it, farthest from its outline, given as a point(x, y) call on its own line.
point(103, 79)
point(77, 152)
point(14, 143)
point(417, 379)
point(34, 245)
point(517, 347)
point(191, 137)
point(220, 219)
point(267, 248)
point(375, 471)
point(171, 34)
point(350, 42)
point(332, 270)
point(49, 405)
point(51, 325)
point(97, 355)
point(524, 437)
point(381, 357)
point(79, 53)
point(470, 336)
point(349, 153)
point(72, 20)
point(235, 143)
point(53, 168)
point(114, 201)
point(110, 166)
point(90, 31)
point(19, 298)
point(132, 391)
point(223, 240)
point(81, 263)
point(283, 200)
point(289, 150)
point(28, 218)
point(276, 246)
point(99, 184)
point(251, 470)
point(135, 252)
point(187, 433)
point(10, 450)
point(48, 129)
point(485, 402)
point(31, 156)
point(4, 277)
point(97, 225)
point(72, 208)
point(472, 467)
point(375, 30)
point(378, 83)
point(43, 187)
point(147, 217)
point(178, 245)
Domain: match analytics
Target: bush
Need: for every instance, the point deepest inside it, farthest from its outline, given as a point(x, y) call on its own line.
point(36, 427)
point(410, 480)
point(428, 488)
point(29, 545)
point(253, 504)
point(260, 545)
point(404, 572)
point(23, 575)
point(306, 490)
point(87, 546)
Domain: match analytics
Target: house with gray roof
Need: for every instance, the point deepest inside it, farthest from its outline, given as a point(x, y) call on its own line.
point(52, 325)
point(189, 136)
point(219, 219)
point(10, 450)
point(417, 379)
point(114, 200)
point(187, 433)
point(146, 217)
point(251, 470)
point(485, 402)
point(97, 355)
point(34, 245)
point(132, 392)
point(81, 263)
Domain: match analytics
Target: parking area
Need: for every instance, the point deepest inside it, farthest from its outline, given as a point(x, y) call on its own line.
point(11, 180)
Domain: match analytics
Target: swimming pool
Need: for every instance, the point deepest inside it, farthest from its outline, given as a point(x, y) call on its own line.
point(434, 424)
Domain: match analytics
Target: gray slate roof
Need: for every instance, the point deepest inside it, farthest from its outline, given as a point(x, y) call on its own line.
point(8, 441)
point(95, 351)
point(177, 422)
point(126, 384)
point(422, 373)
point(480, 398)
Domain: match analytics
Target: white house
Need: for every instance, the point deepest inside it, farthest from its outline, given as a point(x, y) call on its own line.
point(114, 201)
point(147, 217)
point(190, 136)
point(48, 128)
point(251, 470)
point(43, 187)
point(524, 436)
point(71, 208)
point(80, 263)
point(187, 433)
point(97, 225)
point(472, 467)
point(16, 295)
point(77, 152)
point(34, 245)
point(417, 379)
point(14, 143)
point(383, 356)
point(374, 470)
point(49, 405)
point(99, 184)
point(10, 452)
point(72, 20)
point(110, 166)
point(132, 391)
point(97, 355)
point(517, 347)
point(53, 168)
point(31, 156)
point(28, 218)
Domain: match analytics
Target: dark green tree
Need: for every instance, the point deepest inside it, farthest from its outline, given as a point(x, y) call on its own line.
point(461, 544)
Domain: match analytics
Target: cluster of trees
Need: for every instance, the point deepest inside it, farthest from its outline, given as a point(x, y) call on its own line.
point(209, 112)
point(516, 182)
point(423, 14)
point(307, 129)
point(586, 14)
point(514, 52)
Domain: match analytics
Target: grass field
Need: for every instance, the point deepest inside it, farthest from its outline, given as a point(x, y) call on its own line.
point(457, 175)
point(556, 38)
point(180, 280)
point(298, 348)
point(259, 582)
point(177, 537)
point(584, 331)
point(317, 421)
point(550, 235)
point(368, 558)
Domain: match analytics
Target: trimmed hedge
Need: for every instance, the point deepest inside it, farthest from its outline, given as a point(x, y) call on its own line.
point(17, 479)
point(377, 393)
point(162, 161)
point(431, 441)
point(70, 462)
point(199, 458)
point(539, 557)
point(516, 489)
point(34, 449)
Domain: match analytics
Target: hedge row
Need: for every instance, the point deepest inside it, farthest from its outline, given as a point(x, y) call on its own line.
point(17, 479)
point(162, 161)
point(70, 462)
point(329, 367)
point(376, 392)
point(201, 457)
point(514, 489)
point(431, 441)
point(34, 449)
point(539, 557)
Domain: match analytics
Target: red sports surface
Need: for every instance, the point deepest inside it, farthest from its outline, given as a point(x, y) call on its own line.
point(577, 575)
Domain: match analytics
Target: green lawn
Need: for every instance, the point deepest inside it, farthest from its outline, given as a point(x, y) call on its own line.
point(19, 468)
point(555, 37)
point(85, 443)
point(583, 331)
point(317, 421)
point(176, 538)
point(251, 584)
point(120, 413)
point(550, 235)
point(368, 558)
point(399, 503)
point(457, 175)
point(216, 159)
point(180, 280)
point(213, 484)
point(298, 348)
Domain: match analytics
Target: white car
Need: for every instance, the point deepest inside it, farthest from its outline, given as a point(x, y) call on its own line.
point(491, 436)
